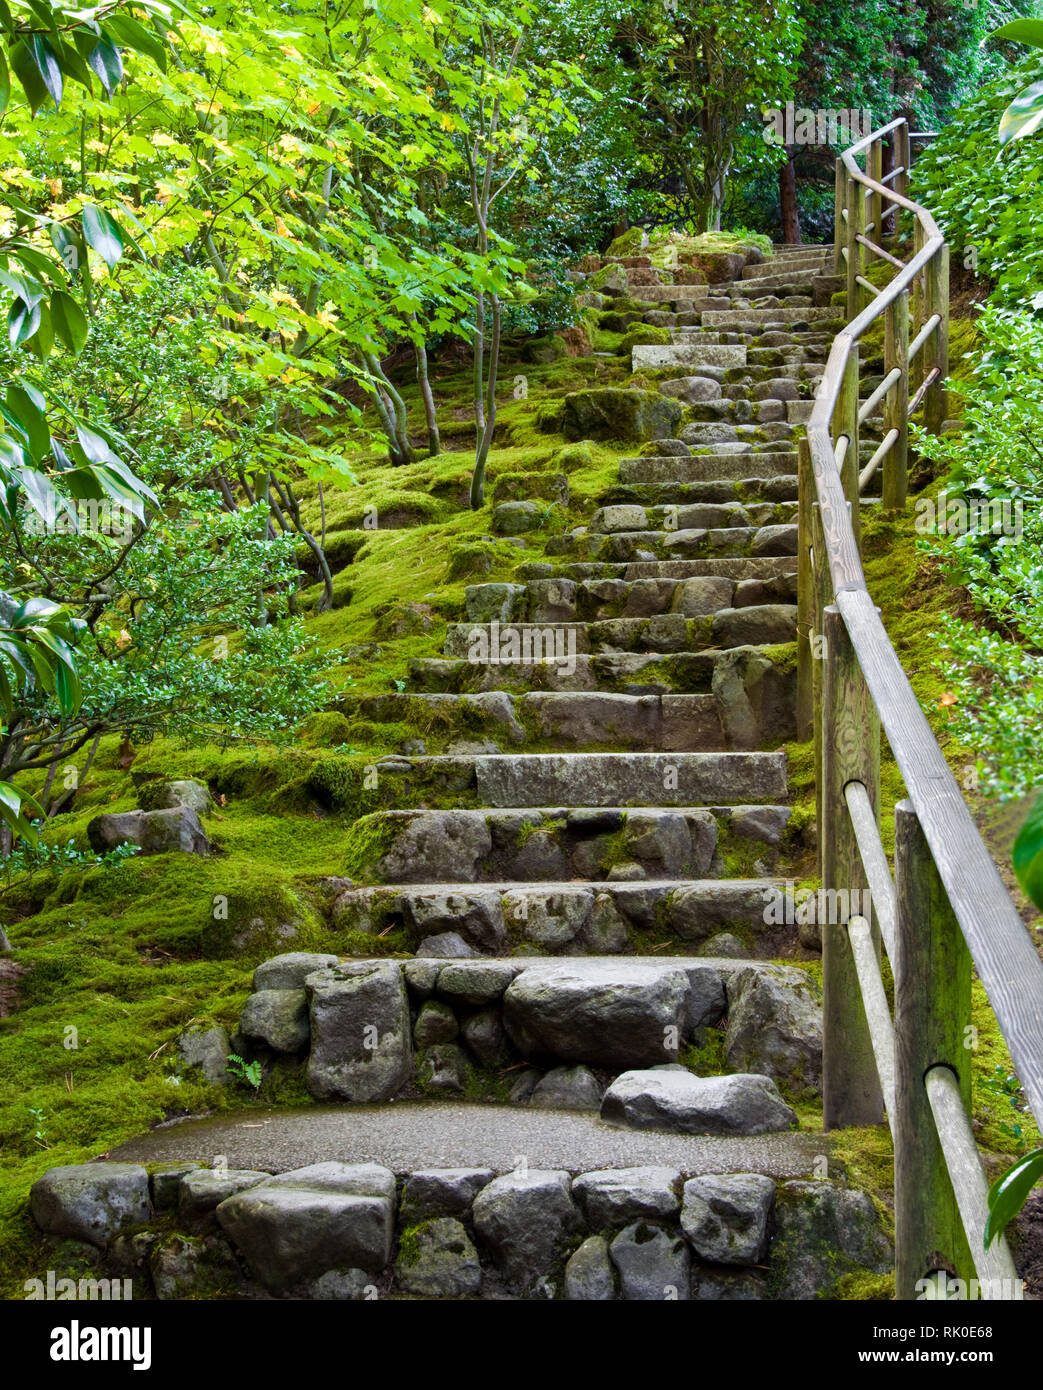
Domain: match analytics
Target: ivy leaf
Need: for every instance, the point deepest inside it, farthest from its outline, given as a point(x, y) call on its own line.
point(1008, 1193)
point(102, 234)
point(1028, 854)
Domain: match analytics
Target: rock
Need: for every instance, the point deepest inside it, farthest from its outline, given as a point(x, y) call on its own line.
point(775, 540)
point(186, 1267)
point(278, 1018)
point(289, 971)
point(437, 847)
point(823, 1231)
point(487, 603)
point(436, 1023)
point(527, 1222)
point(475, 917)
point(725, 1217)
point(725, 945)
point(484, 1034)
point(767, 823)
point(521, 1091)
point(774, 1026)
point(665, 448)
point(605, 932)
point(756, 626)
point(165, 1181)
point(622, 518)
point(483, 982)
point(170, 796)
point(716, 267)
point(154, 832)
point(692, 389)
point(604, 1013)
point(447, 945)
point(701, 597)
point(516, 518)
point(303, 1224)
point(421, 976)
point(680, 1103)
point(360, 1032)
point(589, 1274)
point(207, 1049)
point(92, 1202)
point(339, 1286)
point(443, 1070)
point(437, 1260)
point(659, 841)
point(616, 1197)
point(548, 918)
point(202, 1192)
point(608, 413)
point(567, 1088)
point(551, 600)
point(432, 1192)
point(653, 1264)
point(724, 1285)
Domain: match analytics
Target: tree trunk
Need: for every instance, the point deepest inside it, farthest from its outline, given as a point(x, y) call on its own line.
point(788, 202)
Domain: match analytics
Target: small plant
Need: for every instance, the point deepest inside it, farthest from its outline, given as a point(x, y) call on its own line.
point(40, 1134)
point(249, 1073)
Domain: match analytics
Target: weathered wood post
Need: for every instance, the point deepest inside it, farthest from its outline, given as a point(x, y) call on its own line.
point(875, 170)
point(896, 402)
point(805, 591)
point(936, 348)
point(902, 159)
point(856, 223)
point(851, 1092)
point(839, 226)
point(845, 423)
point(932, 1011)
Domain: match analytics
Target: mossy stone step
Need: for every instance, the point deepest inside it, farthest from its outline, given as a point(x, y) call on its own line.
point(773, 538)
point(652, 356)
point(705, 467)
point(744, 567)
point(735, 318)
point(549, 601)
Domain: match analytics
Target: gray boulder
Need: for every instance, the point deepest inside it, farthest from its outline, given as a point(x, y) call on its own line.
point(693, 390)
point(443, 1070)
point(187, 1267)
point(526, 1221)
point(484, 1034)
point(482, 982)
point(361, 1047)
point(681, 1103)
point(92, 1202)
point(611, 1013)
point(303, 1224)
point(202, 1192)
point(823, 1231)
point(653, 1264)
point(437, 1260)
point(725, 1217)
point(551, 919)
point(477, 917)
point(589, 1274)
point(289, 971)
point(154, 832)
point(207, 1049)
point(617, 1197)
point(435, 1023)
point(432, 1192)
point(168, 796)
point(567, 1088)
point(447, 945)
point(516, 518)
point(774, 1026)
point(437, 847)
point(278, 1018)
point(165, 1181)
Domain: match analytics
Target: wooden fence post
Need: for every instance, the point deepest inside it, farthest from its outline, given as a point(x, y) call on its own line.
point(845, 422)
point(851, 1092)
point(839, 226)
point(856, 223)
point(903, 155)
point(805, 591)
point(937, 346)
point(932, 1009)
point(896, 402)
point(822, 596)
point(875, 170)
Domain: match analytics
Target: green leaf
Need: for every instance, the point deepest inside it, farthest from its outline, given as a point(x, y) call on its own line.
point(102, 234)
point(130, 34)
point(22, 321)
point(22, 411)
point(1008, 1193)
point(5, 83)
point(23, 65)
point(1028, 854)
point(1021, 31)
point(48, 67)
point(1023, 115)
point(69, 321)
point(105, 60)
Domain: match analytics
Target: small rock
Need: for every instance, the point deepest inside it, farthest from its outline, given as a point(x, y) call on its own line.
point(289, 971)
point(526, 1222)
point(616, 1197)
point(681, 1103)
point(484, 1034)
point(433, 1192)
point(589, 1275)
point(154, 832)
point(725, 1217)
point(567, 1088)
point(447, 945)
point(202, 1192)
point(516, 518)
point(165, 1181)
point(208, 1050)
point(443, 1069)
point(278, 1018)
point(436, 1023)
point(437, 1260)
point(91, 1202)
point(653, 1264)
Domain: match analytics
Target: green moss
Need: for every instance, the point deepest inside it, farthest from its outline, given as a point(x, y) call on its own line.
point(864, 1285)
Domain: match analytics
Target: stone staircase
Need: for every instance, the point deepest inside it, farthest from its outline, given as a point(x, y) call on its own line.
point(594, 907)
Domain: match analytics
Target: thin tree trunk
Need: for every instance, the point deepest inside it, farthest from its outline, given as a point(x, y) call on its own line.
point(788, 202)
point(434, 442)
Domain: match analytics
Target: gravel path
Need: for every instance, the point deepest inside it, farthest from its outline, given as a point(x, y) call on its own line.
point(408, 1135)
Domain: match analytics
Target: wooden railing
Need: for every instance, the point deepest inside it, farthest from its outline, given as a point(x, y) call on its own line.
point(945, 905)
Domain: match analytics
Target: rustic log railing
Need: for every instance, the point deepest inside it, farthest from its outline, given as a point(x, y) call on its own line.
point(946, 906)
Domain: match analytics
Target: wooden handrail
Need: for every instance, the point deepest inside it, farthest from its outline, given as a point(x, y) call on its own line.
point(949, 898)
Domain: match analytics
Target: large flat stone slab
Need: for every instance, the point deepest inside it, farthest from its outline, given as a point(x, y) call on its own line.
point(618, 779)
point(656, 355)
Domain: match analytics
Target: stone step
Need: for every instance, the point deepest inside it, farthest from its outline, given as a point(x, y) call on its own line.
point(627, 673)
point(788, 265)
point(592, 844)
point(776, 538)
point(735, 318)
point(720, 436)
point(653, 356)
point(566, 917)
point(494, 643)
point(799, 412)
point(742, 567)
point(748, 491)
point(547, 601)
point(667, 293)
point(703, 467)
point(637, 779)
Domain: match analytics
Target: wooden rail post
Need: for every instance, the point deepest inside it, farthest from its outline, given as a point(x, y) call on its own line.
point(845, 422)
point(903, 155)
point(932, 1010)
point(917, 317)
point(839, 228)
point(851, 1093)
point(805, 591)
point(875, 170)
point(896, 402)
point(937, 347)
point(822, 596)
point(856, 225)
